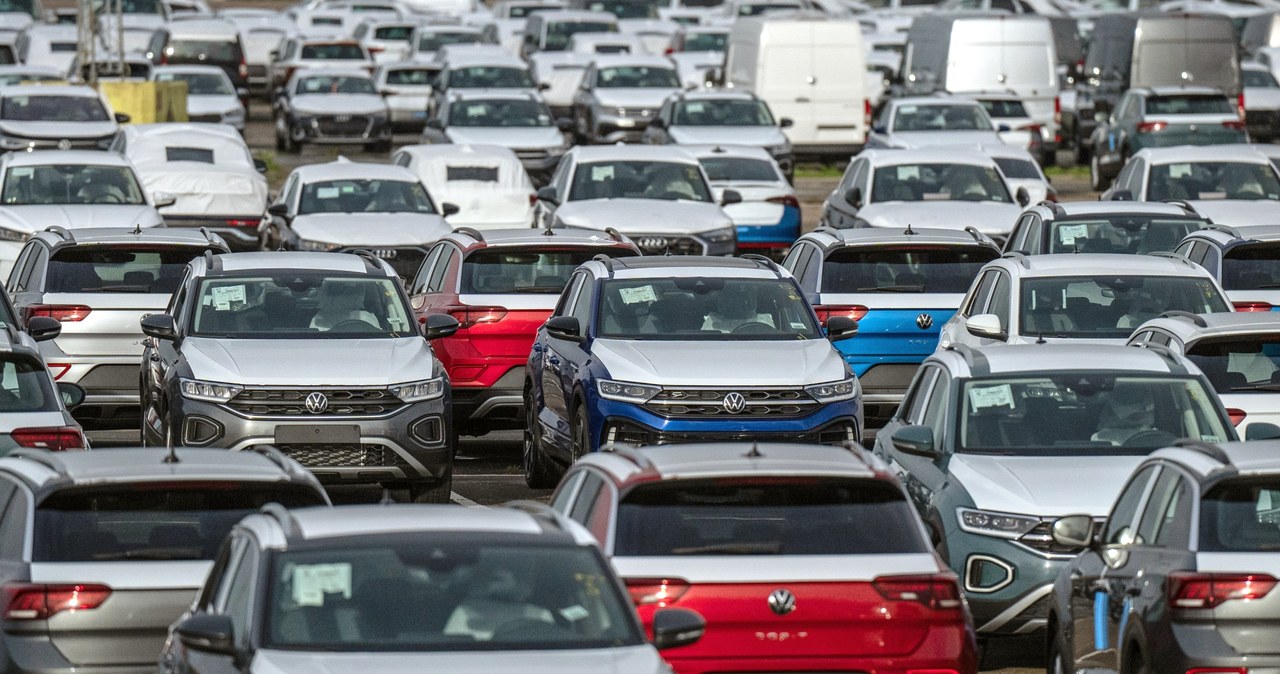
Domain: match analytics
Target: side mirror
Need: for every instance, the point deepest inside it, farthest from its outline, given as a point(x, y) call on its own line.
point(447, 209)
point(565, 327)
point(1255, 431)
point(1122, 195)
point(208, 633)
point(260, 166)
point(915, 440)
point(43, 328)
point(160, 326)
point(436, 124)
point(278, 211)
point(1023, 197)
point(841, 327)
point(1073, 531)
point(730, 197)
point(658, 123)
point(439, 325)
point(1001, 128)
point(544, 86)
point(162, 199)
point(878, 128)
point(854, 197)
point(548, 194)
point(1101, 117)
point(986, 325)
point(565, 125)
point(786, 123)
point(122, 118)
point(72, 394)
point(675, 627)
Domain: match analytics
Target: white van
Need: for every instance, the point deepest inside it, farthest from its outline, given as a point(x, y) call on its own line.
point(809, 69)
point(1005, 53)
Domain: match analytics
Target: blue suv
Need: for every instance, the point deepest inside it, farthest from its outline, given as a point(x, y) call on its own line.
point(900, 285)
point(658, 350)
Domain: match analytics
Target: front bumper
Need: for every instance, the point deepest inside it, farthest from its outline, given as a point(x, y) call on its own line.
point(238, 237)
point(616, 128)
point(1009, 586)
point(778, 235)
point(330, 130)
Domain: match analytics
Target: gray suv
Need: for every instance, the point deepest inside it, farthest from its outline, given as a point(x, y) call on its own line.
point(102, 550)
point(318, 354)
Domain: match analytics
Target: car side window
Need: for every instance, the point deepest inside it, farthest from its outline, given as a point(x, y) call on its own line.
point(1161, 338)
point(570, 294)
point(1166, 518)
point(978, 297)
point(31, 278)
point(912, 408)
point(13, 523)
point(1035, 229)
point(935, 411)
point(240, 595)
point(598, 516)
point(15, 275)
point(218, 596)
point(566, 492)
point(584, 303)
point(1017, 241)
point(419, 284)
point(402, 159)
point(1197, 252)
point(1000, 297)
point(291, 194)
point(1185, 250)
point(438, 276)
point(591, 486)
point(800, 257)
point(179, 297)
point(1140, 338)
point(1212, 259)
point(1119, 530)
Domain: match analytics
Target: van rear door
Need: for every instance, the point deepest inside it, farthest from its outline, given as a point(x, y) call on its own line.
point(1180, 51)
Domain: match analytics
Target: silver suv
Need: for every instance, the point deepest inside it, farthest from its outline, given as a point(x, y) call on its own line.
point(316, 353)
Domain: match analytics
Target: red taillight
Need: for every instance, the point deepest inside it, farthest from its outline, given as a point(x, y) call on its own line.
point(58, 369)
point(375, 50)
point(29, 601)
point(65, 313)
point(1207, 590)
point(826, 311)
point(1057, 111)
point(932, 671)
point(1240, 106)
point(469, 316)
point(1151, 127)
point(935, 592)
point(1252, 306)
point(658, 592)
point(244, 69)
point(789, 200)
point(1236, 415)
point(668, 51)
point(533, 200)
point(1218, 670)
point(242, 222)
point(866, 112)
point(54, 438)
point(1234, 125)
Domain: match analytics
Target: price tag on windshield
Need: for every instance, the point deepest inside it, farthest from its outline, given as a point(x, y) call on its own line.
point(983, 397)
point(223, 296)
point(311, 582)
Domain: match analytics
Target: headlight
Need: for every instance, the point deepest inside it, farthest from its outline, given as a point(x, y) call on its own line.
point(9, 143)
point(626, 391)
point(208, 391)
point(418, 391)
point(776, 150)
point(10, 235)
point(234, 114)
point(304, 244)
point(835, 391)
point(720, 235)
point(999, 525)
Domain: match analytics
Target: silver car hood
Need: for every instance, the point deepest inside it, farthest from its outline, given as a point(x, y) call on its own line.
point(59, 130)
point(38, 217)
point(912, 140)
point(628, 660)
point(1239, 212)
point(990, 217)
point(763, 136)
point(310, 362)
point(1035, 485)
point(644, 216)
point(720, 363)
point(351, 104)
point(528, 137)
point(633, 98)
point(212, 105)
point(374, 229)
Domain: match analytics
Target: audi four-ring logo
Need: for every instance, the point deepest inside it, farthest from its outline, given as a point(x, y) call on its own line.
point(781, 601)
point(652, 242)
point(317, 402)
point(734, 403)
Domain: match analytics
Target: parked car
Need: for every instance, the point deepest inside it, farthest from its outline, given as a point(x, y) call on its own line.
point(697, 49)
point(299, 53)
point(45, 116)
point(211, 95)
point(1015, 126)
point(927, 122)
point(331, 107)
point(37, 410)
point(387, 40)
point(520, 122)
point(1022, 172)
point(49, 45)
point(559, 75)
point(429, 38)
point(206, 42)
point(1261, 102)
point(768, 217)
point(1243, 260)
point(486, 182)
point(550, 30)
point(620, 95)
point(722, 117)
point(1125, 227)
point(1228, 184)
point(406, 86)
point(489, 69)
point(17, 74)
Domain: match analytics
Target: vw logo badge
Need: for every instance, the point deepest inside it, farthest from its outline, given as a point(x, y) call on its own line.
point(781, 601)
point(924, 321)
point(64, 144)
point(317, 402)
point(734, 403)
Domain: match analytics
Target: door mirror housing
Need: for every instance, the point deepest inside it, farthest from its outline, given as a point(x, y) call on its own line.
point(786, 123)
point(1122, 195)
point(675, 627)
point(160, 326)
point(72, 394)
point(436, 326)
point(122, 118)
point(43, 328)
point(915, 440)
point(658, 123)
point(278, 211)
point(565, 125)
point(208, 633)
point(854, 197)
point(841, 327)
point(548, 195)
point(260, 166)
point(565, 327)
point(447, 209)
point(1023, 197)
point(730, 197)
point(1261, 431)
point(435, 124)
point(162, 199)
point(1073, 531)
point(1001, 128)
point(986, 325)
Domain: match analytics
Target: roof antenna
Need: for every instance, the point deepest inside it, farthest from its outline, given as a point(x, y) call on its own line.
point(137, 228)
point(755, 452)
point(172, 456)
point(909, 231)
point(1040, 338)
point(386, 497)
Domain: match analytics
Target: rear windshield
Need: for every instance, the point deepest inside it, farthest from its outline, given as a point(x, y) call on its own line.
point(1241, 515)
point(333, 52)
point(1189, 105)
point(1110, 307)
point(1259, 79)
point(919, 269)
point(754, 516)
point(156, 521)
point(1018, 169)
point(1252, 267)
point(204, 51)
point(1003, 109)
point(393, 33)
point(118, 269)
point(25, 387)
point(1133, 234)
point(411, 76)
point(706, 42)
point(740, 170)
point(525, 271)
point(1236, 364)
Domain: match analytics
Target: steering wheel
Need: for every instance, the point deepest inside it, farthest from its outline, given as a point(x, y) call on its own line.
point(353, 325)
point(1149, 438)
point(752, 328)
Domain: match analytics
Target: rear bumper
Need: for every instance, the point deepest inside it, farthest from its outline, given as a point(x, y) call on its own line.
point(780, 234)
point(238, 238)
point(500, 406)
point(37, 655)
point(110, 384)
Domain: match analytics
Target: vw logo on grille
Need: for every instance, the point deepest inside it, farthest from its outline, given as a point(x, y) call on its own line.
point(924, 321)
point(317, 402)
point(653, 242)
point(734, 403)
point(342, 118)
point(64, 144)
point(781, 601)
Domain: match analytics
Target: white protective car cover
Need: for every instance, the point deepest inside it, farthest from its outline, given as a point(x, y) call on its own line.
point(492, 204)
point(229, 186)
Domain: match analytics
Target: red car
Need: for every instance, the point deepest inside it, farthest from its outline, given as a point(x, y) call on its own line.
point(800, 558)
point(501, 285)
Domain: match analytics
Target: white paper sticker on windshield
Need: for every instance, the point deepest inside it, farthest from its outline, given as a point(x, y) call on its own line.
point(693, 106)
point(601, 172)
point(907, 110)
point(22, 172)
point(574, 613)
point(311, 582)
point(1213, 195)
point(982, 397)
point(223, 296)
point(1069, 233)
point(908, 173)
point(326, 193)
point(637, 295)
point(1179, 170)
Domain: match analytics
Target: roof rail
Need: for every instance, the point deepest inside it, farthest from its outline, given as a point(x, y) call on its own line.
point(207, 235)
point(615, 234)
point(276, 456)
point(282, 515)
point(977, 236)
point(1178, 313)
point(1186, 207)
point(542, 510)
point(373, 262)
point(757, 257)
point(1207, 448)
point(1053, 206)
point(634, 455)
point(1172, 256)
point(43, 457)
point(62, 232)
point(1168, 355)
point(606, 261)
point(975, 360)
point(469, 231)
point(1225, 229)
point(212, 262)
point(1019, 256)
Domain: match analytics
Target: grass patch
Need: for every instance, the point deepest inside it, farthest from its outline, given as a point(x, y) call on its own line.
point(275, 172)
point(1067, 172)
point(819, 171)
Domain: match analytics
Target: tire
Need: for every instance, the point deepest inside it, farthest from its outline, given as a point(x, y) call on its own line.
point(433, 490)
point(539, 470)
point(581, 443)
point(1057, 661)
point(1097, 181)
point(1137, 664)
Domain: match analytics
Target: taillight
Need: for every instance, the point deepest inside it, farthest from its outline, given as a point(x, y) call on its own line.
point(242, 222)
point(789, 200)
point(53, 438)
point(1240, 105)
point(1236, 415)
point(533, 199)
point(469, 316)
point(65, 313)
point(375, 50)
point(31, 601)
point(1252, 306)
point(935, 592)
point(244, 69)
point(826, 311)
point(1234, 125)
point(1151, 127)
point(1057, 111)
point(288, 73)
point(658, 592)
point(866, 112)
point(1207, 590)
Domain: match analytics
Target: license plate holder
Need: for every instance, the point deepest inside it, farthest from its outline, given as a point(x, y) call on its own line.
point(318, 434)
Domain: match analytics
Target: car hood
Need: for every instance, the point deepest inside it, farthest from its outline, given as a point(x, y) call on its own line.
point(293, 362)
point(1239, 212)
point(38, 217)
point(1035, 485)
point(211, 105)
point(633, 98)
point(533, 137)
point(644, 216)
point(764, 136)
point(913, 140)
point(628, 660)
point(989, 217)
point(351, 104)
point(59, 130)
point(373, 229)
point(719, 363)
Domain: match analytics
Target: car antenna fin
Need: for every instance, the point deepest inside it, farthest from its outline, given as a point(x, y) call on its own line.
point(1040, 338)
point(137, 228)
point(172, 456)
point(754, 453)
point(909, 232)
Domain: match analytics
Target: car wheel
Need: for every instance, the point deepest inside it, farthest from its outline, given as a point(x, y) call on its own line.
point(1081, 152)
point(1137, 664)
point(1097, 181)
point(433, 491)
point(539, 471)
point(1058, 663)
point(581, 440)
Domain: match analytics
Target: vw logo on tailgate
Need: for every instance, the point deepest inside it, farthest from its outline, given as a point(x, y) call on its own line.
point(781, 601)
point(317, 402)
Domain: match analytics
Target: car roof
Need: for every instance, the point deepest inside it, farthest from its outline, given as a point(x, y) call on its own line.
point(715, 94)
point(883, 236)
point(1010, 359)
point(82, 157)
point(624, 60)
point(186, 68)
point(888, 157)
point(349, 71)
point(1101, 264)
point(1196, 153)
point(1247, 234)
point(459, 152)
point(203, 27)
point(1225, 459)
point(665, 266)
point(1100, 208)
point(292, 260)
point(345, 169)
point(217, 130)
point(146, 464)
point(494, 94)
point(470, 238)
point(574, 15)
point(489, 58)
point(734, 459)
point(177, 236)
point(49, 90)
point(1177, 91)
point(1192, 327)
point(1253, 65)
point(933, 100)
point(668, 153)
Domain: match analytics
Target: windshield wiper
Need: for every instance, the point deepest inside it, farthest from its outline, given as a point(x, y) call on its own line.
point(148, 553)
point(893, 289)
point(732, 549)
point(1265, 386)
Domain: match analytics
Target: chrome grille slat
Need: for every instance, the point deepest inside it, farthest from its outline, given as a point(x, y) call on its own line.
point(772, 403)
point(273, 402)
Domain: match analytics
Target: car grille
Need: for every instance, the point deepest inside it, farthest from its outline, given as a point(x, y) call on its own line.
point(1041, 540)
point(527, 155)
point(264, 402)
point(213, 119)
point(700, 403)
point(257, 71)
point(343, 125)
point(658, 244)
point(343, 456)
point(404, 260)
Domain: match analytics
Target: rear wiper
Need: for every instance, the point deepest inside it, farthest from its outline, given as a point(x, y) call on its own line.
point(149, 553)
point(1265, 386)
point(892, 289)
point(732, 549)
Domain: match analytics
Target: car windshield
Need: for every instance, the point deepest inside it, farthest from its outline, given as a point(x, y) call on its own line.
point(559, 32)
point(445, 592)
point(410, 76)
point(1132, 234)
point(301, 305)
point(393, 33)
point(1260, 79)
point(722, 113)
point(53, 109)
point(24, 6)
point(1252, 266)
point(774, 516)
point(335, 84)
point(203, 51)
point(142, 7)
point(1241, 514)
point(336, 51)
point(740, 170)
point(625, 9)
point(938, 182)
point(364, 196)
point(118, 269)
point(703, 308)
point(167, 520)
point(1110, 307)
point(1213, 180)
point(1082, 413)
point(11, 79)
point(70, 184)
point(706, 42)
point(499, 112)
point(639, 180)
point(1018, 169)
point(542, 272)
point(490, 77)
point(1190, 105)
point(434, 41)
point(903, 269)
point(200, 84)
point(941, 118)
point(24, 385)
point(636, 77)
point(1239, 363)
point(1004, 108)
point(760, 8)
